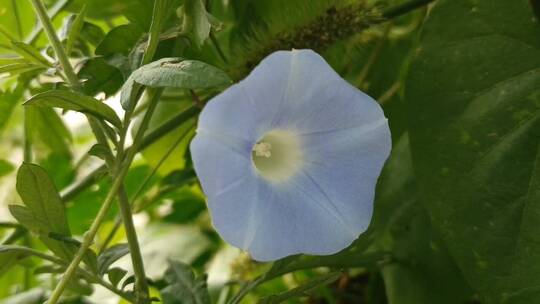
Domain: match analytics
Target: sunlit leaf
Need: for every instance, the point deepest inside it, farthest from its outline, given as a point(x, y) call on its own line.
point(76, 102)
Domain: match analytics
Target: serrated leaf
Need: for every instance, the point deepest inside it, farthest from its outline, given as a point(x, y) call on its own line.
point(30, 53)
point(473, 95)
point(172, 72)
point(116, 275)
point(76, 102)
point(111, 255)
point(183, 287)
point(195, 22)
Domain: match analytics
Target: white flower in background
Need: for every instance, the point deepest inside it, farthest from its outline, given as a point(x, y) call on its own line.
point(289, 158)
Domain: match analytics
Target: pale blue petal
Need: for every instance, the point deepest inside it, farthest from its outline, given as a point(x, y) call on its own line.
point(219, 161)
point(346, 164)
point(318, 99)
point(297, 218)
point(229, 114)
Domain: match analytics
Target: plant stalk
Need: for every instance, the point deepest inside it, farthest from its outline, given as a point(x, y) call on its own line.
point(109, 199)
point(56, 44)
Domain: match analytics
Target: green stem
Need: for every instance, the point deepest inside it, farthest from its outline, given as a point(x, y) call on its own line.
point(27, 141)
point(118, 177)
point(155, 29)
point(18, 18)
point(118, 182)
point(118, 220)
point(87, 274)
point(55, 43)
point(133, 243)
point(53, 12)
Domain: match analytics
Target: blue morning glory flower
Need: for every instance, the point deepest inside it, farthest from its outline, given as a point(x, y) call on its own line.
point(289, 158)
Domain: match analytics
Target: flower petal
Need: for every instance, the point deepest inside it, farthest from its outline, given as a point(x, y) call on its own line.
point(346, 164)
point(297, 218)
point(219, 161)
point(318, 99)
point(229, 114)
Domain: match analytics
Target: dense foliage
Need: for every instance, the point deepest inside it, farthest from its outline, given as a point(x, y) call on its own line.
point(100, 99)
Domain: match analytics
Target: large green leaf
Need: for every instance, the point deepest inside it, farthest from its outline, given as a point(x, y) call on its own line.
point(175, 73)
point(76, 102)
point(474, 98)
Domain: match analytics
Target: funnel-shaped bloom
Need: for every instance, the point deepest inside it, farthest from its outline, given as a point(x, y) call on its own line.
point(289, 158)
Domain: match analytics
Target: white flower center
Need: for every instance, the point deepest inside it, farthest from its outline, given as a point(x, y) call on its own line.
point(278, 155)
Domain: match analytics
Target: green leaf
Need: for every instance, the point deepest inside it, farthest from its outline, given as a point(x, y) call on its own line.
point(76, 102)
point(99, 150)
point(18, 68)
point(116, 275)
point(183, 287)
point(119, 40)
point(75, 29)
point(180, 73)
point(46, 126)
point(92, 33)
point(195, 22)
point(111, 255)
point(40, 196)
point(5, 167)
point(474, 99)
point(172, 72)
point(9, 100)
point(98, 76)
point(9, 59)
point(30, 53)
point(26, 217)
point(44, 211)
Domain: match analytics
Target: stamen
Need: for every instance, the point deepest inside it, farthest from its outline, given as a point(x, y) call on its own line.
point(262, 149)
